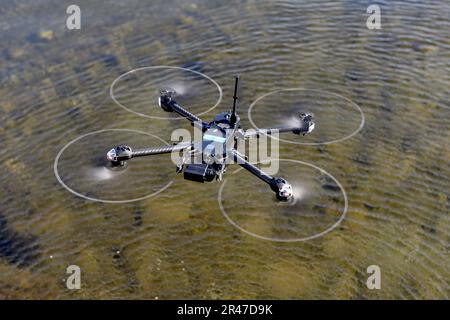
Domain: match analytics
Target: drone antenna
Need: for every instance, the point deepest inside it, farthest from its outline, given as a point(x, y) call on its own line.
point(233, 114)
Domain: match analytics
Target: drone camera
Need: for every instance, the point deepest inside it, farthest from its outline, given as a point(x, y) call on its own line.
point(199, 172)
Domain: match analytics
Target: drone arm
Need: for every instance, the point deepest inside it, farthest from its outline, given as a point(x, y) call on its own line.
point(305, 125)
point(282, 189)
point(253, 169)
point(160, 150)
point(184, 113)
point(174, 106)
point(257, 133)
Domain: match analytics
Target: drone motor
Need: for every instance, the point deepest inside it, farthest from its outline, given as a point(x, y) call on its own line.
point(165, 97)
point(306, 124)
point(282, 189)
point(119, 155)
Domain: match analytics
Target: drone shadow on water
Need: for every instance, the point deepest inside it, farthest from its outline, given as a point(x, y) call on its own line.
point(17, 249)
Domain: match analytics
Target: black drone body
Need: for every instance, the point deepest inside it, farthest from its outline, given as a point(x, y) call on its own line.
point(218, 147)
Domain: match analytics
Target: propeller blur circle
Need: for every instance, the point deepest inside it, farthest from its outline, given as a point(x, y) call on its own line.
point(137, 91)
point(320, 203)
point(81, 167)
point(336, 117)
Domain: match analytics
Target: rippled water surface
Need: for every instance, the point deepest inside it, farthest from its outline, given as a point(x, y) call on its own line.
point(55, 87)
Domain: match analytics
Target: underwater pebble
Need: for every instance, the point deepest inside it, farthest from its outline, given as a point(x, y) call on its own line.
point(46, 34)
point(16, 53)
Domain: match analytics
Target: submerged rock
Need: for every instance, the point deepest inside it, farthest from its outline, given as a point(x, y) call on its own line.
point(194, 65)
point(109, 60)
point(15, 248)
point(424, 48)
point(46, 34)
point(13, 53)
point(40, 37)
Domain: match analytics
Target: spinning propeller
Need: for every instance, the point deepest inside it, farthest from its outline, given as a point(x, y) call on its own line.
point(318, 205)
point(139, 90)
point(336, 118)
point(84, 168)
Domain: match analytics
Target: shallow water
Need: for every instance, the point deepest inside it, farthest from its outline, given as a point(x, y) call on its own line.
point(395, 171)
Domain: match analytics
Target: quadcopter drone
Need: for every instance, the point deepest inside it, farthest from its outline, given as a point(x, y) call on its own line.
point(220, 139)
